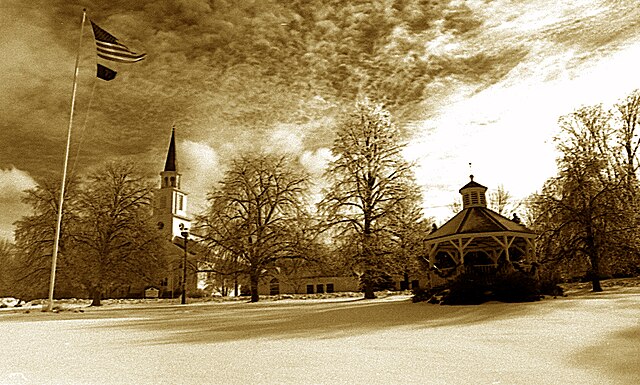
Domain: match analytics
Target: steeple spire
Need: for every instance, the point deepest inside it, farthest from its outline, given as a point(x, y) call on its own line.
point(170, 164)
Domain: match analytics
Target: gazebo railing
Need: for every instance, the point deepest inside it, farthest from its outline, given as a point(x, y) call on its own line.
point(480, 269)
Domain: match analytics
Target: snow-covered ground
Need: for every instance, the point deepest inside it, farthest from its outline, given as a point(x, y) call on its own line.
point(582, 339)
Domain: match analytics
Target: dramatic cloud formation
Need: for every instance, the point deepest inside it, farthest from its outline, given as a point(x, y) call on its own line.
point(470, 81)
point(12, 183)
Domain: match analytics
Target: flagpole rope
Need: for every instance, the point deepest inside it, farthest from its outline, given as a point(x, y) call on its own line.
point(83, 128)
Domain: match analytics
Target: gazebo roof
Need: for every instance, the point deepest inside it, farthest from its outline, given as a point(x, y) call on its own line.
point(474, 220)
point(472, 184)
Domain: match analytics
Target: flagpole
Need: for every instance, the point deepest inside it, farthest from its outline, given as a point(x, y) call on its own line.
point(56, 239)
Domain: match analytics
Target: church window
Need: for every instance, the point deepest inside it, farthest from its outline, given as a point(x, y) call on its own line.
point(180, 202)
point(173, 181)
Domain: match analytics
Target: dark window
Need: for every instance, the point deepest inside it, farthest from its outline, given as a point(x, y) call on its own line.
point(320, 288)
point(310, 289)
point(415, 284)
point(274, 287)
point(329, 287)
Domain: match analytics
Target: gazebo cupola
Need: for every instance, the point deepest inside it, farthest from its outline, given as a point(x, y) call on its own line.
point(473, 194)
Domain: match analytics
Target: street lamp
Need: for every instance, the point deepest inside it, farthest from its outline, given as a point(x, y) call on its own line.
point(185, 235)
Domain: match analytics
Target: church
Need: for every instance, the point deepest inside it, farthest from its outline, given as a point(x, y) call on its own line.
point(171, 216)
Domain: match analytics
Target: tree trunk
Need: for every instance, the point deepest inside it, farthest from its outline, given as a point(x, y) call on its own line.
point(254, 286)
point(594, 258)
point(368, 290)
point(595, 283)
point(96, 296)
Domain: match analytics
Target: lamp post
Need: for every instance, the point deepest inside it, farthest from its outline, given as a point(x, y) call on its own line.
point(185, 235)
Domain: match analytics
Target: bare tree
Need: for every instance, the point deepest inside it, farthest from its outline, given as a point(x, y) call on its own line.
point(106, 239)
point(252, 214)
point(499, 200)
point(579, 212)
point(34, 236)
point(7, 255)
point(628, 115)
point(116, 242)
point(455, 206)
point(369, 178)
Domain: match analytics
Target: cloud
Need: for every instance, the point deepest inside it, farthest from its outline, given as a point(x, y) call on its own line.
point(201, 168)
point(12, 184)
point(286, 139)
point(316, 161)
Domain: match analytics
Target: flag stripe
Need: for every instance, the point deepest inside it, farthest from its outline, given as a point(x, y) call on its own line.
point(109, 48)
point(119, 53)
point(116, 46)
point(120, 59)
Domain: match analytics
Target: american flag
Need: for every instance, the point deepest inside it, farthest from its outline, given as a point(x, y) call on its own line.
point(109, 48)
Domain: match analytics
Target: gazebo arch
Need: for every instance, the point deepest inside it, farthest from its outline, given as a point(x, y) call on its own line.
point(478, 239)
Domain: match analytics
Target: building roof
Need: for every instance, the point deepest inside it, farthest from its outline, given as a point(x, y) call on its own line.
point(170, 164)
point(475, 219)
point(471, 184)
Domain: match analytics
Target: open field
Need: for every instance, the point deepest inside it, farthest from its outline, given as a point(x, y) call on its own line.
point(581, 339)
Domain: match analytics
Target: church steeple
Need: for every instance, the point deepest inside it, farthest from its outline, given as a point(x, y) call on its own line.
point(170, 164)
point(170, 175)
point(170, 206)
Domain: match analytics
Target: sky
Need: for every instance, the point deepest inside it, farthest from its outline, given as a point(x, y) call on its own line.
point(479, 81)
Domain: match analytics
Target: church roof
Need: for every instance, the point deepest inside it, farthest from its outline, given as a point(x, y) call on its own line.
point(473, 220)
point(170, 164)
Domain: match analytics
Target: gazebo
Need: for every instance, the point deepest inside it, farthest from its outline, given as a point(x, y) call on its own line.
point(478, 240)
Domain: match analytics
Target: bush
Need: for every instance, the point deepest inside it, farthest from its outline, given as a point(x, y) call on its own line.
point(379, 280)
point(467, 289)
point(198, 293)
point(422, 294)
point(470, 289)
point(550, 286)
point(515, 287)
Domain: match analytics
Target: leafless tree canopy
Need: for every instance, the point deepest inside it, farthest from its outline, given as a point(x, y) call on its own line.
point(254, 215)
point(369, 180)
point(106, 240)
point(588, 214)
